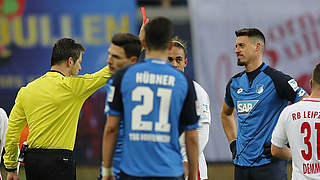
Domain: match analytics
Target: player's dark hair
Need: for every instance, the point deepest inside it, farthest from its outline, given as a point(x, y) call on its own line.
point(65, 48)
point(180, 44)
point(251, 32)
point(316, 76)
point(129, 42)
point(159, 32)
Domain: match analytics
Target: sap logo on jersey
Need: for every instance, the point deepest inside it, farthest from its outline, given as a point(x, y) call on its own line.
point(244, 107)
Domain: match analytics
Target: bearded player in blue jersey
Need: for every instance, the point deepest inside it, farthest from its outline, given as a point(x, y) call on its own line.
point(155, 100)
point(258, 94)
point(124, 50)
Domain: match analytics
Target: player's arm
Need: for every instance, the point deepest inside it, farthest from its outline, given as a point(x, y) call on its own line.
point(4, 123)
point(228, 123)
point(191, 140)
point(113, 124)
point(189, 117)
point(110, 135)
point(4, 126)
point(281, 153)
point(85, 85)
point(286, 86)
point(17, 121)
point(227, 119)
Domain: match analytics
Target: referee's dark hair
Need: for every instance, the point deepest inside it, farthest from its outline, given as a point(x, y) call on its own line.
point(159, 32)
point(316, 77)
point(252, 32)
point(129, 42)
point(65, 48)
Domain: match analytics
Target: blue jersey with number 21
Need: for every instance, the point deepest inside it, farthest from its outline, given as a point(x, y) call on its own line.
point(155, 100)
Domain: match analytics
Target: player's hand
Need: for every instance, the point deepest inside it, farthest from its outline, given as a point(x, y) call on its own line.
point(12, 176)
point(142, 32)
point(267, 150)
point(108, 178)
point(233, 148)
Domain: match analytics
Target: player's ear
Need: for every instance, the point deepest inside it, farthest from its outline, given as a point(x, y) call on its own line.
point(70, 61)
point(170, 46)
point(134, 59)
point(185, 62)
point(143, 43)
point(258, 46)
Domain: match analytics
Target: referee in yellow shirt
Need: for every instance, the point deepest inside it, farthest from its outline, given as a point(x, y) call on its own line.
point(50, 106)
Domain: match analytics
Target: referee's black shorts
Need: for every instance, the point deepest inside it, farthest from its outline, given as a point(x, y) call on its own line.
point(49, 164)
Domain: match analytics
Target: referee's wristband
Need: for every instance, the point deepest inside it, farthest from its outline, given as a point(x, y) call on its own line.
point(107, 171)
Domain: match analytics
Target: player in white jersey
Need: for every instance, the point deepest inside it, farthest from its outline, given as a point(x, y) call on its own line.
point(177, 58)
point(299, 124)
point(3, 129)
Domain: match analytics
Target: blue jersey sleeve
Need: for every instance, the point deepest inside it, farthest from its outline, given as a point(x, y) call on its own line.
point(189, 117)
point(228, 99)
point(108, 91)
point(286, 86)
point(114, 95)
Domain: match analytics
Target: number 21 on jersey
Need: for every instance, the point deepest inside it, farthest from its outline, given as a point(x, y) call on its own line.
point(145, 94)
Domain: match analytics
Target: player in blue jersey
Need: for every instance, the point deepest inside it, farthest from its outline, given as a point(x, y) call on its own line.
point(124, 50)
point(258, 94)
point(155, 100)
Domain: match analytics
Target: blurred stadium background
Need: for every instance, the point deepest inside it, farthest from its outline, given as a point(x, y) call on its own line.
point(28, 29)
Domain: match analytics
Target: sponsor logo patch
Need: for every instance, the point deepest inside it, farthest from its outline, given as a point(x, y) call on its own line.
point(260, 88)
point(244, 107)
point(293, 84)
point(240, 90)
point(111, 93)
point(198, 107)
point(301, 93)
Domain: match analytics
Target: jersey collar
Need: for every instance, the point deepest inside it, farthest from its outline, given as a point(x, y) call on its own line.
point(55, 72)
point(156, 61)
point(311, 99)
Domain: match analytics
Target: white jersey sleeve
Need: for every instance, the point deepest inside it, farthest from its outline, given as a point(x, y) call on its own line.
point(203, 130)
point(204, 100)
point(3, 128)
point(279, 135)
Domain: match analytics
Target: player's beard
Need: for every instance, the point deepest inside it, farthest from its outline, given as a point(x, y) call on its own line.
point(241, 63)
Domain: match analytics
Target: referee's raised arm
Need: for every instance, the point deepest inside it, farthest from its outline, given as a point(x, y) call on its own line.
point(50, 106)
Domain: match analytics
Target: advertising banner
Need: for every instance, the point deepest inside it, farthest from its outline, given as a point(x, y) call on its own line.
point(292, 31)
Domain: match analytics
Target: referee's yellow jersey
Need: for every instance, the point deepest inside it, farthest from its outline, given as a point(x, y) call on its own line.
point(50, 105)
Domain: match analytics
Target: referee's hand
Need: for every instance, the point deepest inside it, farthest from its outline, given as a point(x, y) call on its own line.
point(12, 176)
point(108, 178)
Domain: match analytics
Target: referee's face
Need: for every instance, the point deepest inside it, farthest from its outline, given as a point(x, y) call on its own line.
point(245, 50)
point(117, 58)
point(76, 66)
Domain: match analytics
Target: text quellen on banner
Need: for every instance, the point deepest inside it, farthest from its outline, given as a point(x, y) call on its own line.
point(29, 28)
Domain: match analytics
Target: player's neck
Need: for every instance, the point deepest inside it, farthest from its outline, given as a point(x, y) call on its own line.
point(315, 93)
point(253, 65)
point(61, 69)
point(157, 54)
